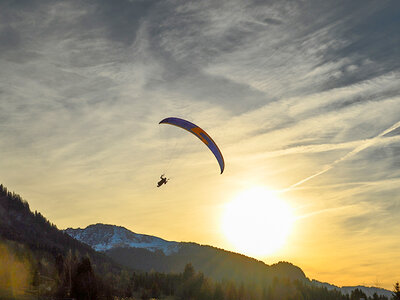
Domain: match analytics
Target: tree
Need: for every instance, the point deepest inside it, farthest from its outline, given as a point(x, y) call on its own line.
point(218, 293)
point(188, 272)
point(84, 284)
point(357, 294)
point(155, 290)
point(396, 291)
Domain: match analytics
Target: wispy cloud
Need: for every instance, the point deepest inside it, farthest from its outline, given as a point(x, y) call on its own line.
point(364, 145)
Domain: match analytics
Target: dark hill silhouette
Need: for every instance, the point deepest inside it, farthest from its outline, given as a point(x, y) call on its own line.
point(213, 262)
point(147, 253)
point(19, 224)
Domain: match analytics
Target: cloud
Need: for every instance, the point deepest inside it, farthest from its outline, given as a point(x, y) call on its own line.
point(9, 39)
point(364, 145)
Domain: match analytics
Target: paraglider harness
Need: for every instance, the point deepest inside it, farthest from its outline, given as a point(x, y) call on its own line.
point(163, 180)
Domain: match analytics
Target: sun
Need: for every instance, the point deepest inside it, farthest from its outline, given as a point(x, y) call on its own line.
point(257, 222)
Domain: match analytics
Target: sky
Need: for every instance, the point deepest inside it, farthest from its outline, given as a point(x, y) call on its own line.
point(302, 97)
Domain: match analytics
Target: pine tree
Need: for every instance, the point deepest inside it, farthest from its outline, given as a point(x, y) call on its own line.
point(188, 272)
point(396, 291)
point(218, 293)
point(357, 294)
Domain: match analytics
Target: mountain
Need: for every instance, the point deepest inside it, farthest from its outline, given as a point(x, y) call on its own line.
point(150, 253)
point(103, 237)
point(346, 290)
point(146, 253)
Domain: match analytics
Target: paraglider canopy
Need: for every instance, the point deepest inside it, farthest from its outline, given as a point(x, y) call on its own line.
point(201, 134)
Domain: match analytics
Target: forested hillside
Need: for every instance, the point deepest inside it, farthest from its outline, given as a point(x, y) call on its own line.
point(216, 263)
point(38, 259)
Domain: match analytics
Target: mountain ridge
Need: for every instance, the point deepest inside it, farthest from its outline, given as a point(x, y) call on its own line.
point(114, 236)
point(346, 290)
point(214, 262)
point(157, 259)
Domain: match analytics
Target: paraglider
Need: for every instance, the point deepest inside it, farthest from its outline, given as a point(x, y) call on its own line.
point(201, 134)
point(163, 180)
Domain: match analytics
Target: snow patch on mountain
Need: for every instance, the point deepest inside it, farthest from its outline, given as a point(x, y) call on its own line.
point(102, 237)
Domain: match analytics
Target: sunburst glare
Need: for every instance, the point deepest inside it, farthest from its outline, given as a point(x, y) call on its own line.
point(257, 222)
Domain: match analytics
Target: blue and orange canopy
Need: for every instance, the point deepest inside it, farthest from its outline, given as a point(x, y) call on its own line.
point(201, 134)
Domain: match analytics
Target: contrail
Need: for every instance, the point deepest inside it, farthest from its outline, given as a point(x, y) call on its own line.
point(366, 144)
point(323, 211)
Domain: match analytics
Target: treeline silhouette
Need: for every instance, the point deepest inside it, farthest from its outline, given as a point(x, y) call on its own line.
point(188, 285)
point(194, 285)
point(74, 277)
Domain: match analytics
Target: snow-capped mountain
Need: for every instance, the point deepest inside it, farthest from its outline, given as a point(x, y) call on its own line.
point(346, 290)
point(146, 253)
point(102, 237)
